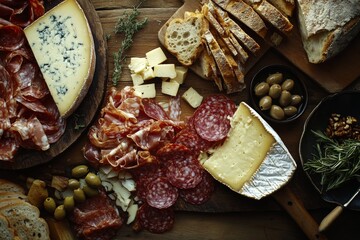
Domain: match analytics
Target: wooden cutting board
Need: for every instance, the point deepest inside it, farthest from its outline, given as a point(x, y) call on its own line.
point(334, 75)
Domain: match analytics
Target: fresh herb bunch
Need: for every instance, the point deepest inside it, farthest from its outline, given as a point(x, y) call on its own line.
point(127, 25)
point(335, 161)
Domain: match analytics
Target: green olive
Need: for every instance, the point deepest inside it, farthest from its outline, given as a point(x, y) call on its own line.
point(265, 103)
point(275, 91)
point(49, 205)
point(89, 191)
point(73, 183)
point(285, 98)
point(262, 89)
point(288, 84)
point(274, 78)
point(93, 180)
point(290, 111)
point(69, 203)
point(60, 212)
point(79, 195)
point(296, 100)
point(277, 112)
point(79, 171)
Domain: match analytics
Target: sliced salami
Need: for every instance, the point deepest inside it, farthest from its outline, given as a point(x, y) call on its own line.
point(201, 193)
point(212, 119)
point(174, 108)
point(172, 151)
point(153, 110)
point(191, 139)
point(184, 174)
point(156, 220)
point(161, 194)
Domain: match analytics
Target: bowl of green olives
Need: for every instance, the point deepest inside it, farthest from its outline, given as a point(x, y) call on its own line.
point(278, 94)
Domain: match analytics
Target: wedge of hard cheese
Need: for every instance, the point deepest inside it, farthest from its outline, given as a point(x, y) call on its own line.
point(63, 46)
point(253, 160)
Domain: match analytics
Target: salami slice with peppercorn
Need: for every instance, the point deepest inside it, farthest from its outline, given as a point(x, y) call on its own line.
point(161, 194)
point(201, 193)
point(156, 220)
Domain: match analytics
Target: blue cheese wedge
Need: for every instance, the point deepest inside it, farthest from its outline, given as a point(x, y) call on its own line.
point(253, 160)
point(63, 46)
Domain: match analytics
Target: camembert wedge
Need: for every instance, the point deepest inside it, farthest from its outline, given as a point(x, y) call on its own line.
point(63, 46)
point(252, 161)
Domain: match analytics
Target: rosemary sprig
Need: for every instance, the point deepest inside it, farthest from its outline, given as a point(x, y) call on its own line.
point(127, 25)
point(336, 162)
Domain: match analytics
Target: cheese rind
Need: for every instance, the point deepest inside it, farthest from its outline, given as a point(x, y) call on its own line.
point(238, 158)
point(63, 46)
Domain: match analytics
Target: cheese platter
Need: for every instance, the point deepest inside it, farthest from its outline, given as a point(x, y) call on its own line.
point(84, 113)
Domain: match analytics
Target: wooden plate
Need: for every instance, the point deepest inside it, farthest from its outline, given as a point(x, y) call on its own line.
point(87, 109)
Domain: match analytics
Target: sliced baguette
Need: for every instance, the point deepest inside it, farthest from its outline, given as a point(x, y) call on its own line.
point(272, 15)
point(225, 68)
point(6, 232)
point(24, 217)
point(245, 14)
point(233, 28)
point(287, 7)
point(183, 38)
point(208, 65)
point(9, 186)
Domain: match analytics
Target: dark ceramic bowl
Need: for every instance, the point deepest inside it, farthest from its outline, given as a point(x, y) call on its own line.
point(298, 89)
point(346, 104)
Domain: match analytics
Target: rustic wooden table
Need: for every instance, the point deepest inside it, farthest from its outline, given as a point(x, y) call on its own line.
point(227, 215)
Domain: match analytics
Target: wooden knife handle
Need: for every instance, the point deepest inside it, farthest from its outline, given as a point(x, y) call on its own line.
point(289, 201)
point(330, 218)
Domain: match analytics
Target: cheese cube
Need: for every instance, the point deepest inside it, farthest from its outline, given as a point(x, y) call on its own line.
point(137, 65)
point(155, 56)
point(192, 97)
point(148, 73)
point(137, 79)
point(181, 73)
point(165, 70)
point(170, 88)
point(146, 90)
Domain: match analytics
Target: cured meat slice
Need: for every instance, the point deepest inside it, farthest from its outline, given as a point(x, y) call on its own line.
point(156, 220)
point(174, 108)
point(191, 139)
point(11, 37)
point(173, 151)
point(161, 194)
point(201, 193)
point(211, 120)
point(153, 109)
point(184, 174)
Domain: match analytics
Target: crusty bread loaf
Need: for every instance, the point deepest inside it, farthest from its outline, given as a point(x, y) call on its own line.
point(245, 14)
point(327, 26)
point(272, 15)
point(6, 232)
point(183, 38)
point(24, 217)
point(285, 6)
point(9, 186)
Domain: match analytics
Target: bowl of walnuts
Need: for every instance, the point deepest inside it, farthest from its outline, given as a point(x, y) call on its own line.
point(278, 94)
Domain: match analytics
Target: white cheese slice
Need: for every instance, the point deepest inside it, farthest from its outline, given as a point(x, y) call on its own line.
point(155, 56)
point(165, 70)
point(170, 88)
point(238, 158)
point(192, 97)
point(148, 73)
point(63, 46)
point(137, 79)
point(146, 90)
point(181, 73)
point(137, 64)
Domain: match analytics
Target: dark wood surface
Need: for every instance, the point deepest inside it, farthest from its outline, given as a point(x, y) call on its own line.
point(227, 215)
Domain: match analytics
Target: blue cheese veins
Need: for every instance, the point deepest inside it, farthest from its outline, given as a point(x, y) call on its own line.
point(63, 46)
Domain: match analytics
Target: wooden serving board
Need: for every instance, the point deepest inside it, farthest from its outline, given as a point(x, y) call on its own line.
point(87, 109)
point(333, 75)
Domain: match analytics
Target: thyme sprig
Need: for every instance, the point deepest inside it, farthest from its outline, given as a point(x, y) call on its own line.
point(336, 162)
point(127, 25)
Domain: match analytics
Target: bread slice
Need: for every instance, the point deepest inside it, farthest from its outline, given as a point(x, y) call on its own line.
point(6, 185)
point(6, 232)
point(327, 26)
point(24, 217)
point(245, 14)
point(208, 64)
point(183, 38)
point(272, 15)
point(287, 7)
point(233, 28)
